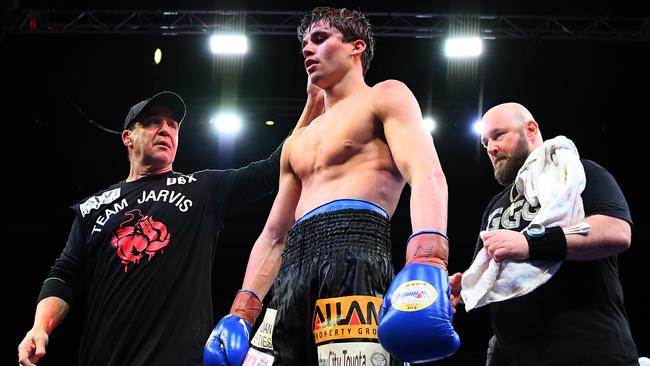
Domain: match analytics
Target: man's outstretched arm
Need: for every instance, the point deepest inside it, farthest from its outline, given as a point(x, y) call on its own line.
point(228, 343)
point(50, 312)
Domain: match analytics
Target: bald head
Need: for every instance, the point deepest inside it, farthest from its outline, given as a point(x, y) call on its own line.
point(512, 116)
point(509, 134)
point(515, 113)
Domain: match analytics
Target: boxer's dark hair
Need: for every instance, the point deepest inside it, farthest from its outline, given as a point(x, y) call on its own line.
point(352, 23)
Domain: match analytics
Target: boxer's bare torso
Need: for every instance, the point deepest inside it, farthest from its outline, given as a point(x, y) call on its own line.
point(344, 154)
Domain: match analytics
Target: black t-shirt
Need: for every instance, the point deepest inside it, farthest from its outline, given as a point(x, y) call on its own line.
point(139, 259)
point(577, 317)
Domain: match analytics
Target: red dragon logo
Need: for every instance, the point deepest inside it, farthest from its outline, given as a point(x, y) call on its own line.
point(137, 235)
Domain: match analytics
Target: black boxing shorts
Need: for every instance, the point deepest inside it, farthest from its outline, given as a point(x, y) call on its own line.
point(336, 267)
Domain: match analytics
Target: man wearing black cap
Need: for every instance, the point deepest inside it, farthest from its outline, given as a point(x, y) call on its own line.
point(139, 254)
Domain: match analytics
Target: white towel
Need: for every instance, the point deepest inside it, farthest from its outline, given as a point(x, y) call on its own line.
point(553, 177)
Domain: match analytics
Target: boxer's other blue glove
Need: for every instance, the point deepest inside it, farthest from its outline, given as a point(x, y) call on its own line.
point(228, 342)
point(415, 317)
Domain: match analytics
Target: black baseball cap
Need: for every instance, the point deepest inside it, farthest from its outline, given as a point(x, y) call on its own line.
point(167, 99)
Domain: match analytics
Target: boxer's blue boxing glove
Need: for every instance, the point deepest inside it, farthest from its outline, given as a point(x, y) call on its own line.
point(228, 342)
point(416, 314)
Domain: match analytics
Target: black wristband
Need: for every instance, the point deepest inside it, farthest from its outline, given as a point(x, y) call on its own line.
point(551, 246)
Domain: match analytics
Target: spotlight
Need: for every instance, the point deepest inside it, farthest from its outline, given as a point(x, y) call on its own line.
point(157, 56)
point(463, 47)
point(227, 123)
point(429, 123)
point(477, 127)
point(228, 44)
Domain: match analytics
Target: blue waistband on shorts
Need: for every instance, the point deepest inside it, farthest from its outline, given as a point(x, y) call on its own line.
point(342, 204)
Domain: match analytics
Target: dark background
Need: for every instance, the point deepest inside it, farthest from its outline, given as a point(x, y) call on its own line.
point(594, 92)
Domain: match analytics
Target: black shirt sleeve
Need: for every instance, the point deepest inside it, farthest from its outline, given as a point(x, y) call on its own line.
point(602, 195)
point(64, 279)
point(251, 183)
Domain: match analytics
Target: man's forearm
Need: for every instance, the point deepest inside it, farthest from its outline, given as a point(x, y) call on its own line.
point(608, 236)
point(263, 265)
point(429, 218)
point(429, 203)
point(50, 312)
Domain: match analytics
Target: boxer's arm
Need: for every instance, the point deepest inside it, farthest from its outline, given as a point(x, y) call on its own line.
point(409, 328)
point(265, 258)
point(228, 342)
point(412, 149)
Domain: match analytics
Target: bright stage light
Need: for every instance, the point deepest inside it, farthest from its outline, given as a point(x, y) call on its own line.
point(477, 127)
point(227, 123)
point(429, 123)
point(463, 47)
point(157, 56)
point(228, 44)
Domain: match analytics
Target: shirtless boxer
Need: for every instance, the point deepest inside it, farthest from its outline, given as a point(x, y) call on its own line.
point(340, 181)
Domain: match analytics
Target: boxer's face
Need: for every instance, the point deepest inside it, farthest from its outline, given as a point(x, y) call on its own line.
point(327, 57)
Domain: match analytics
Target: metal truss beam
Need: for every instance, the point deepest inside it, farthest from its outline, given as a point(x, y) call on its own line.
point(284, 23)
